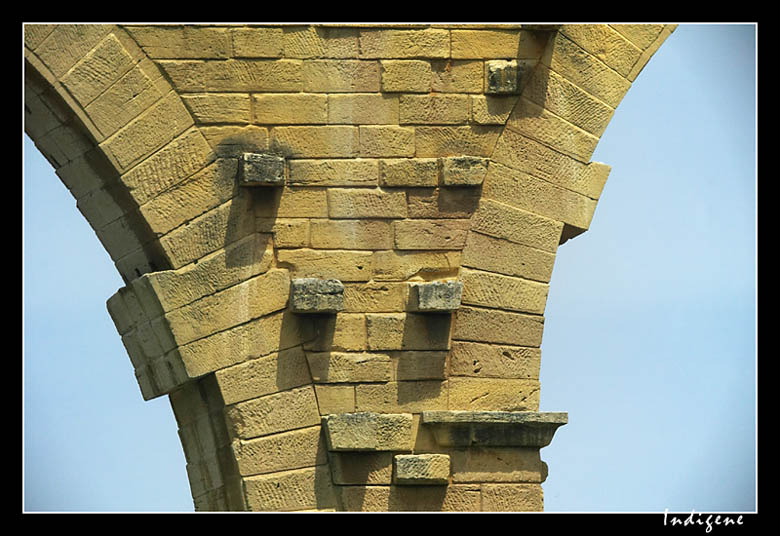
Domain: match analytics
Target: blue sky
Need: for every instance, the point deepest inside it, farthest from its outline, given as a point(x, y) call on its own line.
point(650, 326)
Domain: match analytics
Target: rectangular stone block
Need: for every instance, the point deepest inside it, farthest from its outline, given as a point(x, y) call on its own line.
point(342, 367)
point(262, 376)
point(460, 498)
point(418, 365)
point(286, 232)
point(404, 43)
point(288, 202)
point(219, 107)
point(407, 331)
point(344, 332)
point(264, 336)
point(493, 394)
point(402, 396)
point(342, 265)
point(340, 76)
point(257, 42)
point(402, 265)
point(366, 203)
point(435, 296)
point(387, 141)
point(169, 41)
point(300, 489)
point(279, 412)
point(463, 170)
point(375, 297)
point(257, 169)
point(254, 298)
point(491, 44)
point(503, 292)
point(439, 203)
point(409, 172)
point(314, 295)
point(406, 76)
point(316, 141)
point(351, 234)
point(604, 42)
point(235, 75)
point(494, 361)
point(363, 109)
point(492, 109)
point(421, 469)
point(320, 42)
point(457, 76)
point(352, 172)
point(430, 234)
point(368, 431)
point(280, 452)
point(439, 141)
point(434, 109)
point(366, 468)
point(290, 109)
point(335, 398)
point(518, 226)
point(504, 257)
point(502, 327)
point(497, 464)
point(512, 498)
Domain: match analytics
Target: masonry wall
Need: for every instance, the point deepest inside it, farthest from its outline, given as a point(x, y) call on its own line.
point(403, 165)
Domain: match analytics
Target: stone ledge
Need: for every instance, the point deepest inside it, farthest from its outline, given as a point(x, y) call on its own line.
point(435, 296)
point(493, 428)
point(316, 296)
point(259, 169)
point(422, 469)
point(368, 431)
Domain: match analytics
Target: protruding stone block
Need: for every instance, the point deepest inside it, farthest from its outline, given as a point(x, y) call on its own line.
point(464, 170)
point(493, 428)
point(313, 295)
point(435, 296)
point(259, 169)
point(506, 77)
point(368, 431)
point(422, 469)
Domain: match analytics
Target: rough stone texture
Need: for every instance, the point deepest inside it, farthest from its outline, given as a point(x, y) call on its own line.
point(436, 296)
point(367, 431)
point(311, 295)
point(403, 167)
point(422, 469)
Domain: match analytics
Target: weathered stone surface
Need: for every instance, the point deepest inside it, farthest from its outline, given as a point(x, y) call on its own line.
point(436, 296)
point(368, 431)
point(312, 295)
point(501, 77)
point(493, 428)
point(341, 367)
point(497, 464)
point(422, 469)
point(261, 170)
point(464, 170)
point(366, 468)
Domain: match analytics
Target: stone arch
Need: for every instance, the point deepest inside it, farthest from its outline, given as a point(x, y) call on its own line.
point(201, 256)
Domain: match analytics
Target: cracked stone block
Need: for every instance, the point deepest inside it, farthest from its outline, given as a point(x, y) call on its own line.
point(422, 469)
point(258, 169)
point(313, 295)
point(368, 431)
point(464, 170)
point(506, 77)
point(435, 296)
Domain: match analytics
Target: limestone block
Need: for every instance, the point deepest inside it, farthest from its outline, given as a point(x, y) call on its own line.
point(402, 396)
point(279, 412)
point(341, 367)
point(368, 431)
point(455, 498)
point(409, 172)
point(447, 233)
point(464, 170)
point(493, 428)
point(312, 295)
point(497, 464)
point(299, 489)
point(435, 296)
point(494, 361)
point(407, 331)
point(367, 468)
point(512, 498)
point(261, 170)
point(335, 398)
point(279, 452)
point(422, 469)
point(407, 76)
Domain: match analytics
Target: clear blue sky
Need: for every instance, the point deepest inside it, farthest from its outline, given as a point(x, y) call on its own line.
point(649, 344)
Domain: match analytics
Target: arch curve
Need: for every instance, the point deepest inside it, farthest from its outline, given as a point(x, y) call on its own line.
point(198, 253)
